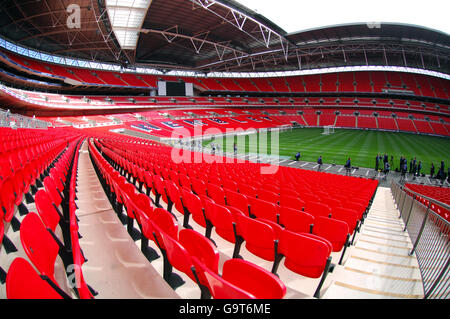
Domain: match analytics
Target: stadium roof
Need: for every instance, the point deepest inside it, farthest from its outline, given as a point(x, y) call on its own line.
point(212, 36)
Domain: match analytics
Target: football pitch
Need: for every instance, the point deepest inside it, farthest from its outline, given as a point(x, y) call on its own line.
point(361, 146)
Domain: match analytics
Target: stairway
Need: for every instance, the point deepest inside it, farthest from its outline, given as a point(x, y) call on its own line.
point(116, 267)
point(378, 265)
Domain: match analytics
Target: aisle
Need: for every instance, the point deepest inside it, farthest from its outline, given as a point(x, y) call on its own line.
point(116, 268)
point(378, 265)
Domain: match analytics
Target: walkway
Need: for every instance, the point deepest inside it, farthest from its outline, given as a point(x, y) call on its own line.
point(116, 268)
point(378, 264)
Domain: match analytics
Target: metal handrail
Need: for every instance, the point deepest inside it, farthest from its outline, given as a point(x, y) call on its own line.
point(429, 233)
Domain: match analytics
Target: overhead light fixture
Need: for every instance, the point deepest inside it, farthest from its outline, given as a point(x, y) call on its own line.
point(126, 18)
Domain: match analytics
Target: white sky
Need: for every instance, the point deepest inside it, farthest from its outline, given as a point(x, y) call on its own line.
point(299, 15)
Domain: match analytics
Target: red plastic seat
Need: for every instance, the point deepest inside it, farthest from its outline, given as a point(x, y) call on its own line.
point(22, 282)
point(192, 205)
point(216, 193)
point(347, 215)
point(243, 280)
point(261, 238)
point(306, 255)
point(269, 196)
point(198, 187)
point(317, 209)
point(222, 220)
point(237, 200)
point(247, 190)
point(335, 231)
point(173, 196)
point(296, 220)
point(292, 202)
point(39, 245)
point(263, 209)
point(179, 258)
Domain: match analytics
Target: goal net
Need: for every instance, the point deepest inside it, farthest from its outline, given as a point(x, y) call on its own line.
point(327, 130)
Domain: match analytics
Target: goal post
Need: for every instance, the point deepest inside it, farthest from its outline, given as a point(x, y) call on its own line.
point(327, 130)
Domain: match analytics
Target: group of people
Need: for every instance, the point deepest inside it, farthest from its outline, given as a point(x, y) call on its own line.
point(441, 175)
point(382, 163)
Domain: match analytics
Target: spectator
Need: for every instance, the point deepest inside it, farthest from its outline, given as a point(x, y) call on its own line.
point(441, 172)
point(377, 162)
point(348, 166)
point(419, 168)
point(387, 168)
point(320, 162)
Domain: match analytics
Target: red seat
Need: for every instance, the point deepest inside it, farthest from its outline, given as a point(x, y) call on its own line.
point(237, 200)
point(296, 220)
point(222, 220)
point(261, 238)
point(192, 205)
point(198, 187)
point(247, 190)
point(268, 196)
point(306, 255)
point(335, 231)
point(263, 209)
point(39, 246)
point(347, 215)
point(173, 196)
point(292, 202)
point(22, 282)
point(179, 258)
point(317, 209)
point(216, 193)
point(243, 280)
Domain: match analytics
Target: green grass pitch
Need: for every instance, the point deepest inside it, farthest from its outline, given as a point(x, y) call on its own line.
point(360, 145)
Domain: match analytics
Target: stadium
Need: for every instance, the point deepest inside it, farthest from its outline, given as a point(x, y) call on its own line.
point(148, 148)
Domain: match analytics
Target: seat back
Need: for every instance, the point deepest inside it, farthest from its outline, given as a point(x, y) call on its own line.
point(50, 187)
point(237, 200)
point(347, 215)
point(201, 247)
point(292, 202)
point(46, 210)
point(194, 205)
point(39, 245)
point(219, 287)
point(333, 230)
point(259, 237)
point(317, 209)
point(296, 220)
point(216, 193)
point(263, 209)
point(222, 219)
point(22, 282)
point(254, 279)
point(178, 256)
point(163, 221)
point(304, 255)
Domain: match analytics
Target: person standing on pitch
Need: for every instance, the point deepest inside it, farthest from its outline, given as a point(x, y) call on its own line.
point(377, 162)
point(320, 162)
point(297, 156)
point(348, 166)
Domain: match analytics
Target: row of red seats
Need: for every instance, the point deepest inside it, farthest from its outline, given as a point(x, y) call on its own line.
point(441, 194)
point(363, 81)
point(169, 190)
point(186, 250)
point(55, 204)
